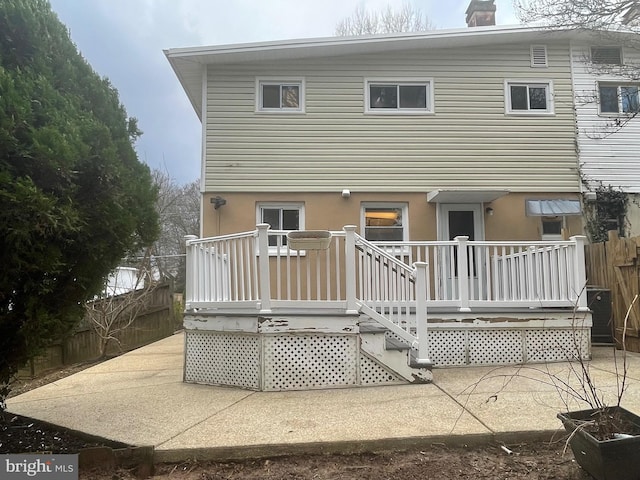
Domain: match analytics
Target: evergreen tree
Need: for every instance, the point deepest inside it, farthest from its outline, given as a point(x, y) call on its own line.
point(74, 198)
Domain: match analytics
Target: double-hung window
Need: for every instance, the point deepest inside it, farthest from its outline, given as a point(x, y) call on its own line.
point(281, 216)
point(403, 97)
point(385, 222)
point(524, 97)
point(617, 99)
point(280, 96)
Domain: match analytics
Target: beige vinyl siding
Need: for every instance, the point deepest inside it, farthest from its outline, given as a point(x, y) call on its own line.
point(468, 143)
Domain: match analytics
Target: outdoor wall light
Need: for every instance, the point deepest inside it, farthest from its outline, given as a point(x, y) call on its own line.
point(346, 193)
point(488, 211)
point(218, 201)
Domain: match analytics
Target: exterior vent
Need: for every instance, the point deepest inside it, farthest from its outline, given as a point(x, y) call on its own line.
point(539, 55)
point(606, 55)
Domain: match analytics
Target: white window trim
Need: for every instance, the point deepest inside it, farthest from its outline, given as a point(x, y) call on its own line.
point(442, 219)
point(405, 216)
point(427, 81)
point(552, 236)
point(300, 81)
point(273, 250)
point(618, 85)
point(537, 82)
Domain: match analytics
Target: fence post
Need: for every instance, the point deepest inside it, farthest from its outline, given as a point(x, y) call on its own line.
point(421, 271)
point(580, 273)
point(350, 267)
point(463, 272)
point(264, 278)
point(191, 271)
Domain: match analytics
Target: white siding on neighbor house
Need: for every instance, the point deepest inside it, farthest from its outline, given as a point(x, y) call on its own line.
point(608, 155)
point(469, 142)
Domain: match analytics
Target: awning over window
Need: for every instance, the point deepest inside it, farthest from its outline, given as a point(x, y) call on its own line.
point(552, 208)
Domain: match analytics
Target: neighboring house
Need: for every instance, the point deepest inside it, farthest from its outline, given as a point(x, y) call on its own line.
point(123, 280)
point(416, 140)
point(607, 103)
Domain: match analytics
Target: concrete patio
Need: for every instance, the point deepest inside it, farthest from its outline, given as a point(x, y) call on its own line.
point(139, 399)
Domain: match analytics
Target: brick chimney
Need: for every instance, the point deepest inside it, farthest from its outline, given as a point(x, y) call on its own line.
point(481, 13)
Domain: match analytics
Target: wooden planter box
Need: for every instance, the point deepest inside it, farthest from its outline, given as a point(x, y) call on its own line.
point(309, 239)
point(615, 459)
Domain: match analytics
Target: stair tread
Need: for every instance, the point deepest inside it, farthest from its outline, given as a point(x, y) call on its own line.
point(371, 328)
point(395, 344)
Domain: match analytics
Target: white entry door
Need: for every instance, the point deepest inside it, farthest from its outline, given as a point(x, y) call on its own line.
point(460, 219)
point(457, 220)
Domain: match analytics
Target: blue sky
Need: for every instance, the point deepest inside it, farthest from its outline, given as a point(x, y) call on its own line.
point(124, 41)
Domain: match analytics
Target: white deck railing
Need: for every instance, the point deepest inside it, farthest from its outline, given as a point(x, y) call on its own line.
point(394, 283)
point(258, 268)
point(464, 274)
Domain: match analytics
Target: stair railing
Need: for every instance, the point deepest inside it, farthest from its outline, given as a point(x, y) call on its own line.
point(388, 290)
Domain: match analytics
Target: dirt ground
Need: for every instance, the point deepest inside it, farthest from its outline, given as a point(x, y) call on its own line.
point(534, 461)
point(528, 461)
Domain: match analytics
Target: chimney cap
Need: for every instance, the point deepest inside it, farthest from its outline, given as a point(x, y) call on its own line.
point(486, 7)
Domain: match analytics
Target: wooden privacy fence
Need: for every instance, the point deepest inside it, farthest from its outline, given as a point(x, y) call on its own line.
point(157, 322)
point(614, 265)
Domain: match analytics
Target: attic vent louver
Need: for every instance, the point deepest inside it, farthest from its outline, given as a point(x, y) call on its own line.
point(606, 55)
point(538, 55)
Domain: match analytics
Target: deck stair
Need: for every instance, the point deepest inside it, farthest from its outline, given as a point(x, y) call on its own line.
point(390, 352)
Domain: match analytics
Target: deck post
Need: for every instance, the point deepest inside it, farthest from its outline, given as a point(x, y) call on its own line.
point(264, 278)
point(350, 267)
point(580, 273)
point(191, 270)
point(421, 271)
point(463, 272)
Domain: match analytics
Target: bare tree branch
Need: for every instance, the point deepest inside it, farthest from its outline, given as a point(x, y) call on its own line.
point(589, 14)
point(109, 314)
point(362, 22)
point(178, 208)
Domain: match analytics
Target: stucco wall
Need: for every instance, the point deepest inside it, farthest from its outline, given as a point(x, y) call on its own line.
point(330, 211)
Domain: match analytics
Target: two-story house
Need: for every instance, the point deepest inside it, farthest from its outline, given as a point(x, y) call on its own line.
point(413, 136)
point(442, 167)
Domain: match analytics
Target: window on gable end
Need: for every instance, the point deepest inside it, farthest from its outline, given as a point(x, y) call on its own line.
point(610, 55)
point(539, 56)
point(280, 96)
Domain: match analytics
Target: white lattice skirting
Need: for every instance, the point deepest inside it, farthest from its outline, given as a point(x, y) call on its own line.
point(290, 362)
point(506, 346)
point(305, 361)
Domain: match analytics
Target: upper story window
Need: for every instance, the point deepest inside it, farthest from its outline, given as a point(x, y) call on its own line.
point(610, 55)
point(281, 216)
point(385, 222)
point(524, 97)
point(399, 96)
point(280, 96)
point(618, 99)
